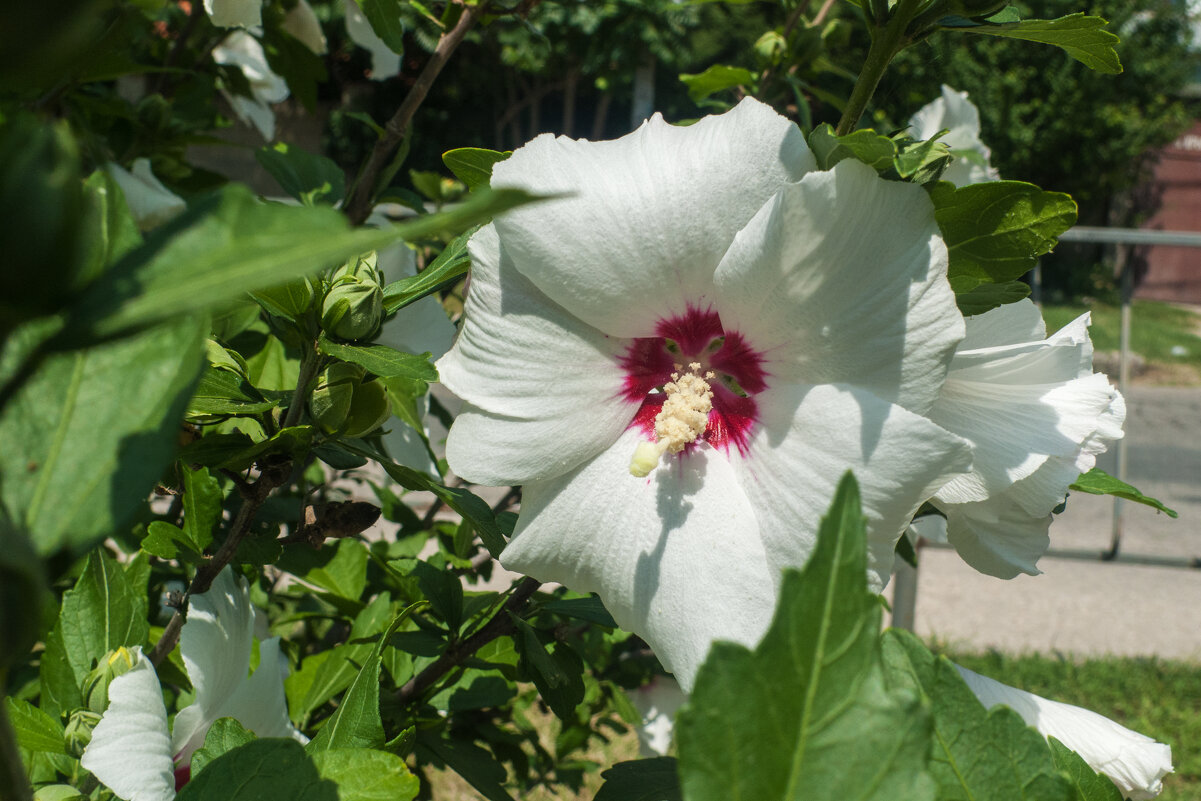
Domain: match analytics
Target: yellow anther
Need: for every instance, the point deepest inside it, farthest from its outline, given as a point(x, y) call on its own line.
point(683, 418)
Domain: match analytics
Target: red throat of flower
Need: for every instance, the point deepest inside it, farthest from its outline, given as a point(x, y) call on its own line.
point(690, 357)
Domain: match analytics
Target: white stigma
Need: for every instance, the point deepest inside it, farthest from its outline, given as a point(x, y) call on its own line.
point(682, 419)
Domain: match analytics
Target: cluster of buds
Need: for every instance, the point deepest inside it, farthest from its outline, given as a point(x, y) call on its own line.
point(354, 305)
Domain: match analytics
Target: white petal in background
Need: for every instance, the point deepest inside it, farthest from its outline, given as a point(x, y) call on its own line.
point(676, 557)
point(303, 24)
point(215, 644)
point(130, 751)
point(841, 278)
point(244, 51)
point(1135, 762)
point(258, 703)
point(953, 111)
point(648, 216)
point(657, 703)
point(384, 63)
point(1037, 417)
point(235, 13)
point(150, 203)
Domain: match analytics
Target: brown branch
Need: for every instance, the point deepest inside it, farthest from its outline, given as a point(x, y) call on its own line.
point(255, 496)
point(358, 206)
point(500, 624)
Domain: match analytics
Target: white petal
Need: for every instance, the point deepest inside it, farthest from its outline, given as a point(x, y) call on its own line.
point(657, 702)
point(252, 112)
point(809, 437)
point(543, 388)
point(932, 528)
point(1034, 411)
point(259, 703)
point(130, 751)
point(675, 557)
point(302, 23)
point(1011, 324)
point(244, 51)
point(235, 13)
point(215, 645)
point(150, 203)
point(841, 278)
point(384, 63)
point(649, 215)
point(1135, 762)
point(997, 537)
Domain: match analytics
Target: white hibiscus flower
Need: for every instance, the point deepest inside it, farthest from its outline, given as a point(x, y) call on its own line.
point(242, 50)
point(954, 113)
point(1037, 417)
point(384, 63)
point(702, 300)
point(131, 750)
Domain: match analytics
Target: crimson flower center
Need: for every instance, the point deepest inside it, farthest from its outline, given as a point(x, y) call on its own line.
point(696, 344)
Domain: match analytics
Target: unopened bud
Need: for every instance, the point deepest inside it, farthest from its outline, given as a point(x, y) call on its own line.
point(354, 304)
point(79, 731)
point(95, 685)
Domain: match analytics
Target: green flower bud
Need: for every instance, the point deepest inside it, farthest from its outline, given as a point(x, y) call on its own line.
point(95, 685)
point(369, 409)
point(354, 305)
point(330, 402)
point(345, 404)
point(79, 731)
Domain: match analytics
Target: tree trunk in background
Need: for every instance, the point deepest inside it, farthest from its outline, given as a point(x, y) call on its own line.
point(569, 93)
point(601, 115)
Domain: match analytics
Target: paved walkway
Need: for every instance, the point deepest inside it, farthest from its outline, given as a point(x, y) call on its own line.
point(1087, 608)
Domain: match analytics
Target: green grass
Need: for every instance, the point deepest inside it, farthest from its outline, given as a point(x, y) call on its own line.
point(1158, 698)
point(1154, 330)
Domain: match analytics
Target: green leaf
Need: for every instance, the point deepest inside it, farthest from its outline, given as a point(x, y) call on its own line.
point(986, 755)
point(871, 148)
point(384, 16)
point(470, 506)
point(365, 775)
point(223, 736)
point(222, 392)
point(995, 231)
point(381, 360)
point(202, 500)
point(1086, 782)
point(36, 730)
point(443, 590)
point(356, 723)
point(87, 437)
point(922, 162)
point(346, 574)
point(109, 231)
point(102, 613)
point(229, 243)
point(981, 297)
point(1098, 482)
point(481, 769)
point(307, 177)
point(641, 780)
point(59, 686)
point(473, 165)
point(806, 715)
point(716, 79)
point(1082, 37)
point(590, 609)
point(557, 670)
point(261, 769)
point(451, 263)
point(58, 792)
point(164, 540)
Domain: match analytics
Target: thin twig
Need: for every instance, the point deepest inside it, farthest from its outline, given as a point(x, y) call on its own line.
point(358, 206)
point(271, 478)
point(500, 624)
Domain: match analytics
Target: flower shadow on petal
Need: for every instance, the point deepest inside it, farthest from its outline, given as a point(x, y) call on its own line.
point(673, 486)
